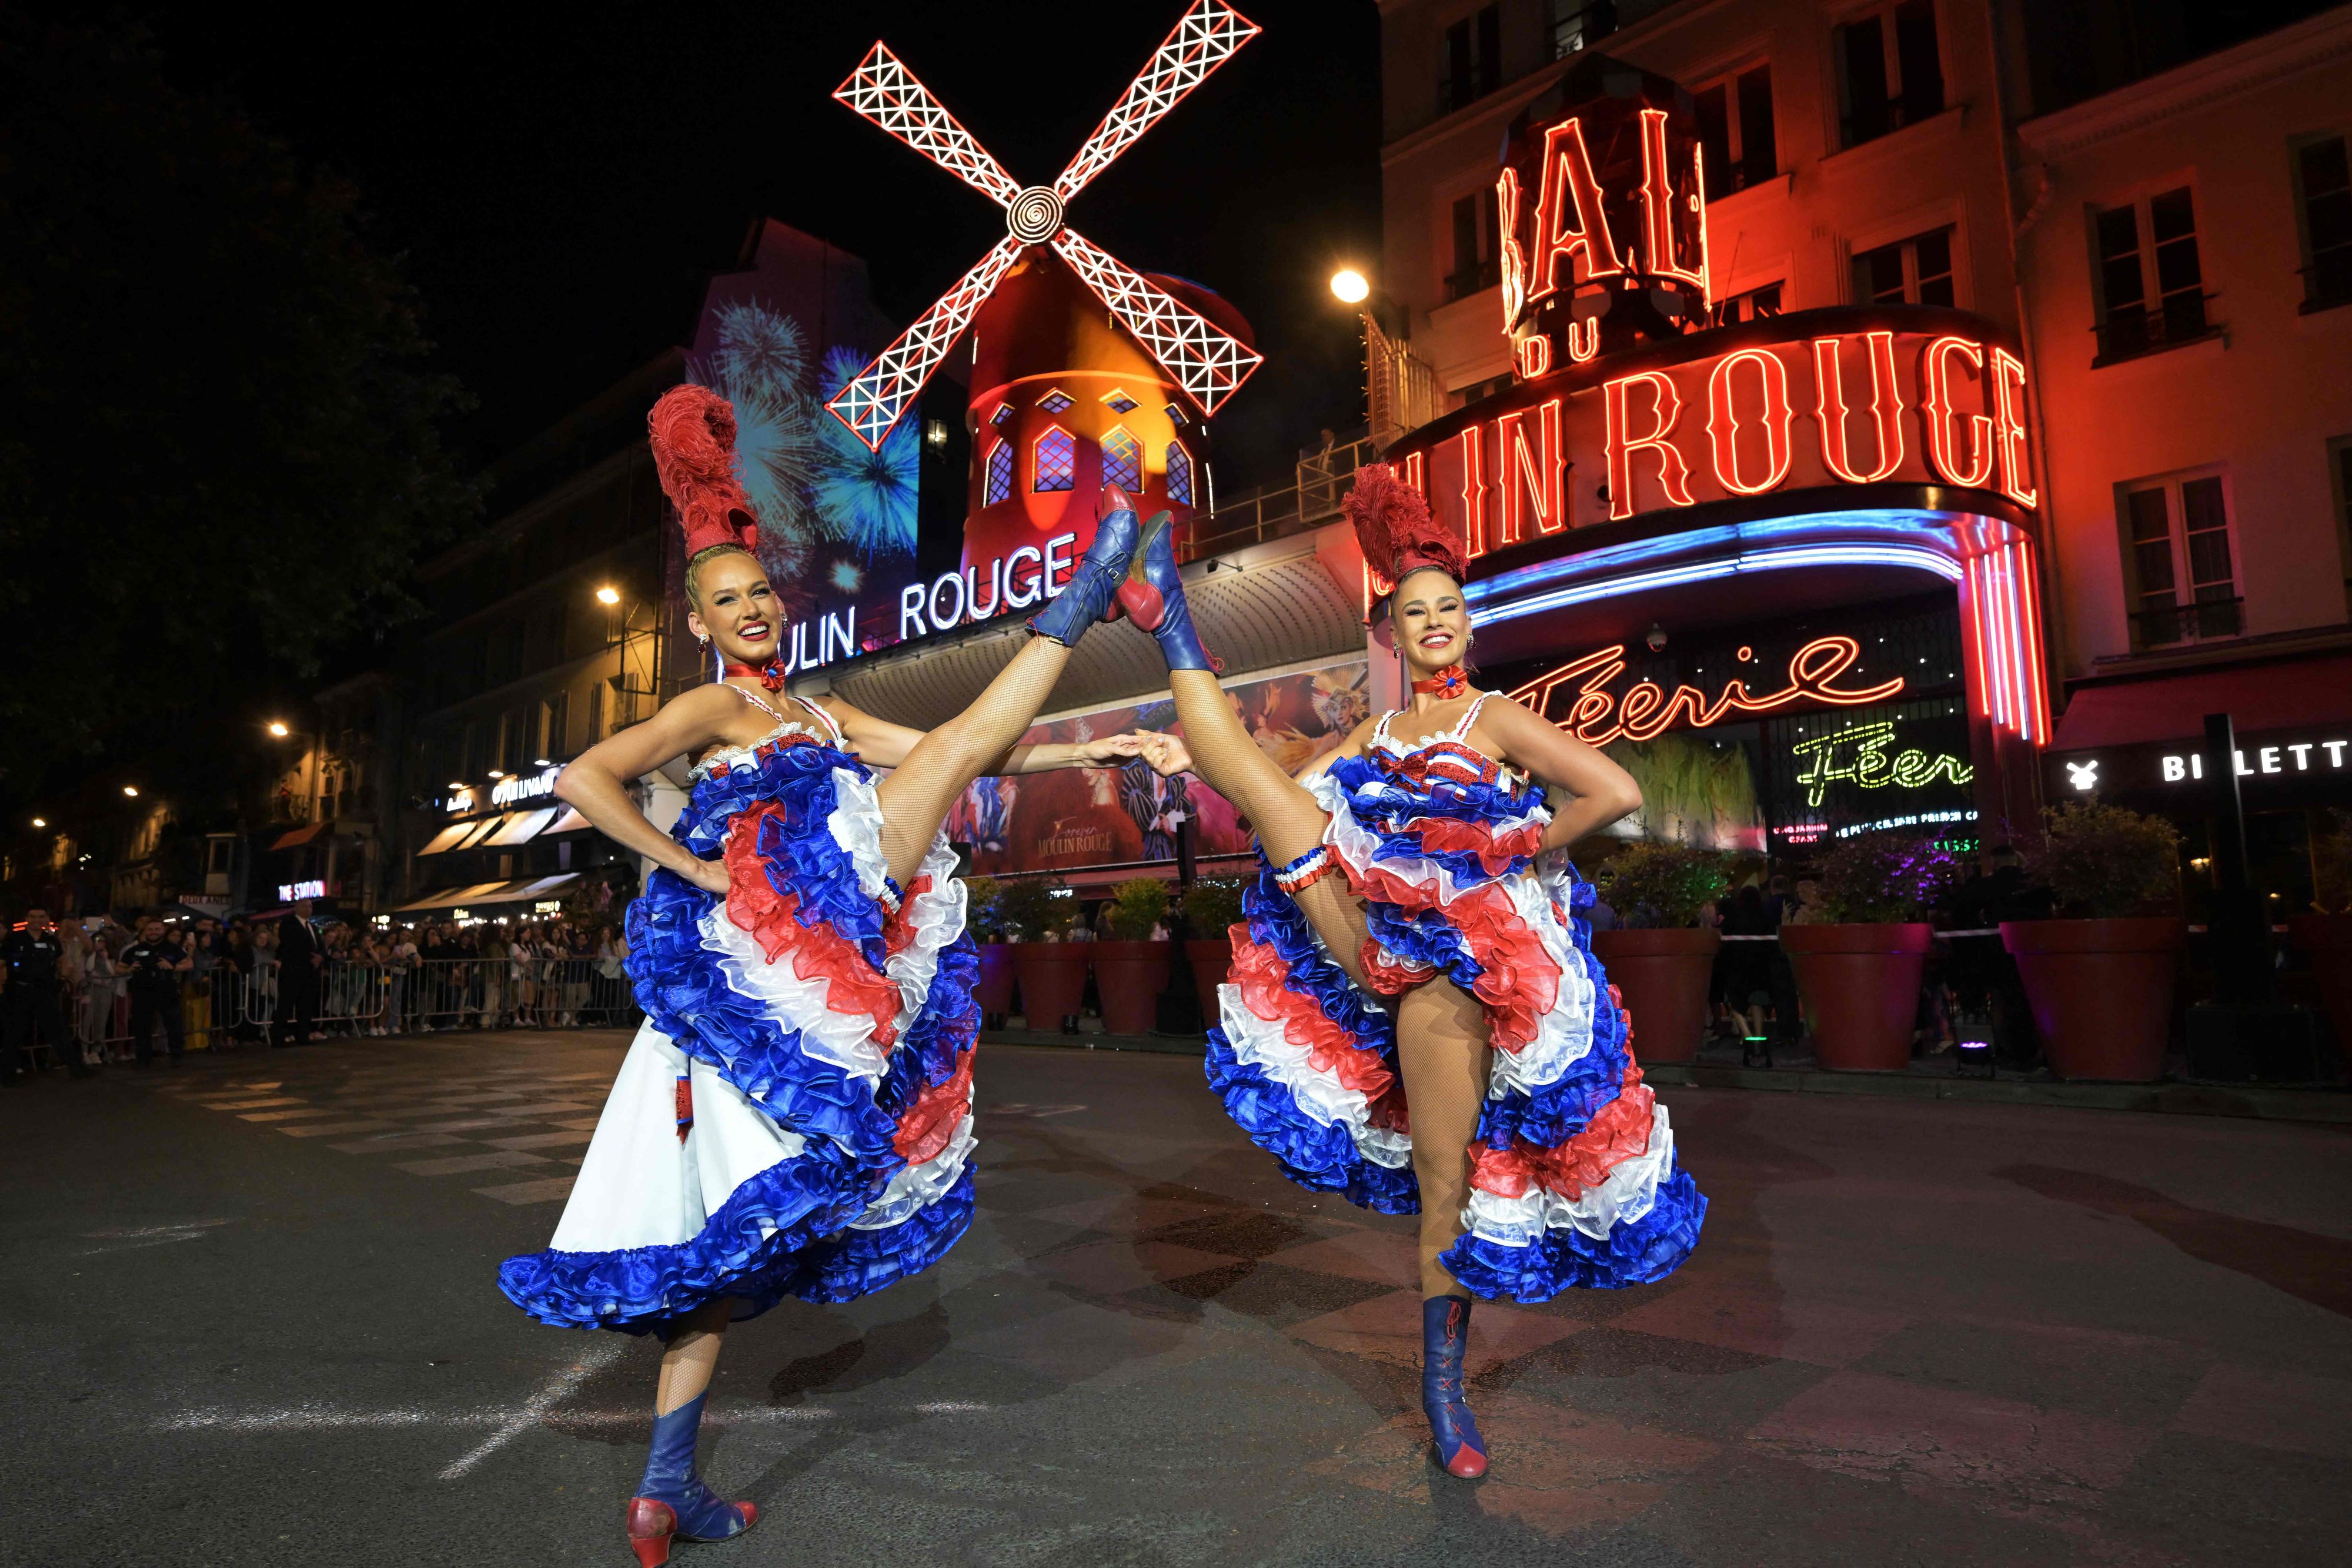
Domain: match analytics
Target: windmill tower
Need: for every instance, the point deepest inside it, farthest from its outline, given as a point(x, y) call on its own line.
point(1063, 401)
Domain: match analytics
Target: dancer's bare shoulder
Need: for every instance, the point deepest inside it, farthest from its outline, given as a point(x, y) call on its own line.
point(1359, 740)
point(1517, 737)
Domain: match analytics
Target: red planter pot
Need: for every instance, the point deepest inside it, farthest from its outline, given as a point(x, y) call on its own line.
point(2101, 991)
point(1129, 977)
point(1662, 977)
point(1053, 980)
point(994, 992)
point(1860, 984)
point(1211, 962)
point(2327, 940)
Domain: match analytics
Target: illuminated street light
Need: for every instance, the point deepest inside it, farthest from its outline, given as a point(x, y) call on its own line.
point(496, 774)
point(40, 822)
point(1350, 287)
point(277, 729)
point(608, 595)
point(132, 790)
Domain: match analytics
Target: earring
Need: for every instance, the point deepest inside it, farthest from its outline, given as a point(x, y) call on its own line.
point(705, 640)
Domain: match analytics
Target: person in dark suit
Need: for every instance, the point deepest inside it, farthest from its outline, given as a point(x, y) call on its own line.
point(29, 1003)
point(157, 965)
point(299, 962)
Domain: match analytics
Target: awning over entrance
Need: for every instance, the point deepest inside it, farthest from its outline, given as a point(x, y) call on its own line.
point(2257, 698)
point(288, 841)
point(449, 838)
point(486, 892)
point(521, 828)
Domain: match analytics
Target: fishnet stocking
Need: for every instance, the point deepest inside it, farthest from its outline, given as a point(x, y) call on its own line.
point(1441, 1046)
point(691, 1355)
point(1288, 821)
point(920, 792)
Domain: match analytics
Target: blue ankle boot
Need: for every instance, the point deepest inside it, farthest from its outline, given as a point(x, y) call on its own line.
point(1092, 593)
point(1154, 599)
point(672, 1501)
point(1445, 1335)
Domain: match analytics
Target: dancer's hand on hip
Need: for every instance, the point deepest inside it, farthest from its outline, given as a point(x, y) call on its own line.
point(709, 875)
point(1166, 754)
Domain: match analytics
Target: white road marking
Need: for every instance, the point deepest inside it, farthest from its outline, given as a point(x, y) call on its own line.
point(339, 1418)
point(599, 1356)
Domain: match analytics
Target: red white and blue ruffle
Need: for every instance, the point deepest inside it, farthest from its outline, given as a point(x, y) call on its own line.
point(794, 1118)
point(1573, 1180)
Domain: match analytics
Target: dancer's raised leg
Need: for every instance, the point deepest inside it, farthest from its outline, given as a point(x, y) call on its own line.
point(920, 792)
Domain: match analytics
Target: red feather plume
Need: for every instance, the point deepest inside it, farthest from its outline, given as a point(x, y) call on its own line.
point(693, 434)
point(1395, 530)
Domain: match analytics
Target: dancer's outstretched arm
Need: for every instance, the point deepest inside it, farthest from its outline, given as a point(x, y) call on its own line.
point(881, 744)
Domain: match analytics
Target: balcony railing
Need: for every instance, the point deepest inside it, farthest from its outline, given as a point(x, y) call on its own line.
point(2134, 331)
point(2207, 618)
point(1264, 515)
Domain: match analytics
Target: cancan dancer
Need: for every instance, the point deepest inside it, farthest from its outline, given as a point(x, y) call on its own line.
point(794, 1117)
point(1411, 864)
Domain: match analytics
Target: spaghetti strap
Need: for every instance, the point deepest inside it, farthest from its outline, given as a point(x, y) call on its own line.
point(1462, 730)
point(830, 722)
point(1381, 733)
point(757, 701)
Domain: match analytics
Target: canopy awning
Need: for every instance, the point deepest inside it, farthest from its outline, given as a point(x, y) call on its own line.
point(297, 836)
point(571, 821)
point(480, 832)
point(521, 828)
point(488, 893)
point(448, 838)
point(2276, 695)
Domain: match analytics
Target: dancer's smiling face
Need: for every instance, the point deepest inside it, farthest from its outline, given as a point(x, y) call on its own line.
point(1431, 622)
point(735, 608)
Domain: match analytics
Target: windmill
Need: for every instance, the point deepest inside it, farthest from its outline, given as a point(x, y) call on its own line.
point(1198, 356)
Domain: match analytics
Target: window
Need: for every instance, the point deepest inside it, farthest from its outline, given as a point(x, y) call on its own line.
point(2323, 182)
point(1004, 412)
point(998, 486)
point(1122, 460)
point(1054, 401)
point(595, 712)
point(1474, 234)
point(1474, 60)
point(2148, 248)
point(1180, 474)
point(470, 757)
point(554, 726)
point(1120, 401)
point(1175, 414)
point(1889, 73)
point(1057, 461)
point(1479, 391)
point(2177, 561)
point(1758, 304)
point(1734, 132)
point(1915, 271)
point(2339, 460)
point(1579, 24)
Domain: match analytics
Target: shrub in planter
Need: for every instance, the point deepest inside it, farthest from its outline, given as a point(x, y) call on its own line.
point(1858, 973)
point(1053, 974)
point(2099, 975)
point(1659, 958)
point(1130, 968)
point(1213, 906)
point(995, 991)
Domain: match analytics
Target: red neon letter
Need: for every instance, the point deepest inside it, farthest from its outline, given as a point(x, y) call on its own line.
point(1474, 489)
point(1415, 474)
point(1935, 376)
point(1583, 340)
point(1885, 408)
point(1723, 421)
point(1514, 259)
point(1620, 443)
point(2009, 426)
point(1533, 356)
point(1533, 479)
point(1569, 190)
point(1658, 204)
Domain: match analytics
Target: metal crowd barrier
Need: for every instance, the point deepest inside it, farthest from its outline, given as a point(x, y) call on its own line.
point(227, 1008)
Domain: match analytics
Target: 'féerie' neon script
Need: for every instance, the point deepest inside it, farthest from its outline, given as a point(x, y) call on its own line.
point(1600, 716)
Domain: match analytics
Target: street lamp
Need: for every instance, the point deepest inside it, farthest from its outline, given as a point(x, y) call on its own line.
point(1350, 287)
point(40, 822)
point(608, 595)
point(132, 790)
point(278, 727)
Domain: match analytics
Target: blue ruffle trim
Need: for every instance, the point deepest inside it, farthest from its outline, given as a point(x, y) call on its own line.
point(1641, 1253)
point(1377, 797)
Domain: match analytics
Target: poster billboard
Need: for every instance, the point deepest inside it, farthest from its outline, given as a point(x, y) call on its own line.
point(1100, 816)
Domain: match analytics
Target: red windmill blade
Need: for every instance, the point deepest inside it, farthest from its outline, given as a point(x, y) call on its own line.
point(1208, 363)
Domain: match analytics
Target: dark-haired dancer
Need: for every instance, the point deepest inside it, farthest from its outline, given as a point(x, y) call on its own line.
point(1405, 865)
point(794, 1118)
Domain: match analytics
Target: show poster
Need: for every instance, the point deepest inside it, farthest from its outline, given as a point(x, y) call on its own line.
point(1097, 815)
point(837, 522)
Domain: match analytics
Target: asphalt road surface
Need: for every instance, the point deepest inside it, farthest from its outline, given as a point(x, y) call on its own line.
point(250, 1319)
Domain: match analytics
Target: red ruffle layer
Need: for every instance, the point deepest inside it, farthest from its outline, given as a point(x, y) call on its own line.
point(852, 984)
point(1260, 974)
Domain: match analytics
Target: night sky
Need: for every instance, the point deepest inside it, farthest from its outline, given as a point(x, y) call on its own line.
point(559, 183)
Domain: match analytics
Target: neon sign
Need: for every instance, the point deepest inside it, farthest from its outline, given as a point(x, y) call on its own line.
point(1026, 576)
point(1597, 716)
point(523, 786)
point(1859, 756)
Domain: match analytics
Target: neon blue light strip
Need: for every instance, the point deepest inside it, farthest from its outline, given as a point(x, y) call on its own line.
point(1919, 557)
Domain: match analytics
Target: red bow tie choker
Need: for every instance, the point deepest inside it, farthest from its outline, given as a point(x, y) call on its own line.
point(1449, 682)
point(771, 677)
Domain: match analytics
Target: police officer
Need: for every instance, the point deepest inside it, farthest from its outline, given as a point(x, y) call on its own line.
point(156, 964)
point(29, 1002)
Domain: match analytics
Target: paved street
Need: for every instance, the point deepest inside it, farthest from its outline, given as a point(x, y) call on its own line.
point(250, 1319)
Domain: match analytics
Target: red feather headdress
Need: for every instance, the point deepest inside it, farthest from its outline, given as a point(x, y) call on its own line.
point(1395, 530)
point(693, 434)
